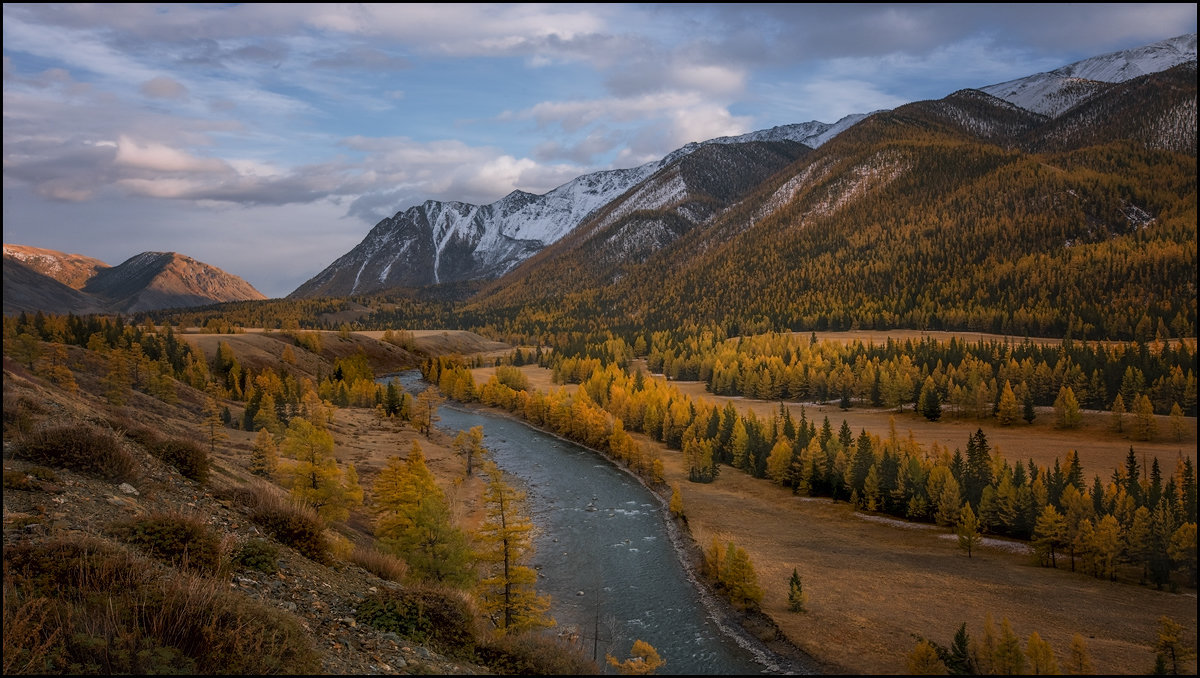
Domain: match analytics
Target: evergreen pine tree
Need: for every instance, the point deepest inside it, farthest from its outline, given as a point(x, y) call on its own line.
point(797, 598)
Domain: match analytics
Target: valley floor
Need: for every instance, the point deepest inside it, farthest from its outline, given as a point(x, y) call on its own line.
point(874, 583)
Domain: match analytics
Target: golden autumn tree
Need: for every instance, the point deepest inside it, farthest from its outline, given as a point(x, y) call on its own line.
point(413, 521)
point(470, 445)
point(312, 474)
point(264, 457)
point(643, 660)
point(424, 413)
point(739, 580)
point(507, 593)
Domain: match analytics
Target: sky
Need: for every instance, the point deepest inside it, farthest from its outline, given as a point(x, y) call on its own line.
point(267, 140)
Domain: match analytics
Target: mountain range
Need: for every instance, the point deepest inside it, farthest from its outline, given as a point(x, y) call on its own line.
point(46, 280)
point(895, 214)
point(447, 242)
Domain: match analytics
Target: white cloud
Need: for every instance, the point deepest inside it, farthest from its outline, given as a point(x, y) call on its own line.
point(163, 87)
point(161, 158)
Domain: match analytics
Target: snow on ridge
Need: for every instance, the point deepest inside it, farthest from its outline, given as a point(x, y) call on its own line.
point(1053, 92)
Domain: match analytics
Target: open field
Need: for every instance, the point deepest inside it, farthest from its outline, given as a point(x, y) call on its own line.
point(873, 582)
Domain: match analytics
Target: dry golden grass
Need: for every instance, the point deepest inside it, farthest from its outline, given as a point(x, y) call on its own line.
point(873, 583)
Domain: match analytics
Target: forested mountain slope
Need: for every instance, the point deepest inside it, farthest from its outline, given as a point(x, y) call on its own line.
point(964, 213)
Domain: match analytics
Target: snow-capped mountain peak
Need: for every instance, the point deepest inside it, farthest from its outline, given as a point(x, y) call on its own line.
point(1054, 92)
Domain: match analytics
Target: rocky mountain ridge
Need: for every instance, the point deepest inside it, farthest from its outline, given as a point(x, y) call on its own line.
point(440, 242)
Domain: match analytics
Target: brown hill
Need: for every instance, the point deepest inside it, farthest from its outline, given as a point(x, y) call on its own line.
point(27, 290)
point(153, 280)
point(72, 270)
point(88, 537)
point(55, 282)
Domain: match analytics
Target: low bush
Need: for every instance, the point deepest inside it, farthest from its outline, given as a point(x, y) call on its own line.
point(292, 524)
point(188, 457)
point(257, 554)
point(73, 566)
point(535, 654)
point(79, 447)
point(184, 541)
point(122, 624)
point(382, 565)
point(442, 618)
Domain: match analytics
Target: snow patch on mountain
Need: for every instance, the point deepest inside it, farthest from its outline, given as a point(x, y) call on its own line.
point(879, 170)
point(1055, 92)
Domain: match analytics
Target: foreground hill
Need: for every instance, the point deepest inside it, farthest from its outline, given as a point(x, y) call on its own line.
point(56, 282)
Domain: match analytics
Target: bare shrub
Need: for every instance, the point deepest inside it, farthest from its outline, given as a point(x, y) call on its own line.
point(20, 414)
point(535, 654)
point(291, 523)
point(79, 447)
point(382, 565)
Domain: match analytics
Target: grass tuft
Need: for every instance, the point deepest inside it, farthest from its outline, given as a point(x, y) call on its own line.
point(535, 654)
point(383, 565)
point(292, 524)
point(79, 447)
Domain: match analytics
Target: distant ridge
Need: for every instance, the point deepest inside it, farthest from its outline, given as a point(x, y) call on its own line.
point(45, 280)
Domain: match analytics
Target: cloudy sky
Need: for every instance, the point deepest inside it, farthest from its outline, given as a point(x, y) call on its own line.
point(268, 139)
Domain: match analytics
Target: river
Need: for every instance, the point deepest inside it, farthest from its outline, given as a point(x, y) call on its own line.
point(604, 555)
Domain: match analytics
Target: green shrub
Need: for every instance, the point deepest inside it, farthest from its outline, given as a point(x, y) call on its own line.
point(258, 554)
point(79, 447)
point(535, 654)
point(18, 480)
point(439, 617)
point(183, 541)
point(188, 457)
point(43, 473)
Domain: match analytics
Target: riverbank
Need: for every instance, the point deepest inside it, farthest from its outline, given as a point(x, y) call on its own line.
point(755, 633)
point(873, 587)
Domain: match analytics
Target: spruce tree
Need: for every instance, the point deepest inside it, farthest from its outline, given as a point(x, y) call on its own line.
point(796, 595)
point(929, 403)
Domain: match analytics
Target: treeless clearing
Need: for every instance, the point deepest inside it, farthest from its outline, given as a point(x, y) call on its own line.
point(873, 582)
